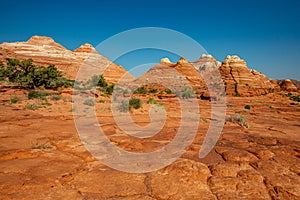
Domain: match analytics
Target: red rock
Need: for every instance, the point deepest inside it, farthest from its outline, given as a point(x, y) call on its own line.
point(44, 51)
point(288, 85)
point(242, 81)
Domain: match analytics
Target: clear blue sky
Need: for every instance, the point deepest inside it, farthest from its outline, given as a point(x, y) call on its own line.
point(264, 33)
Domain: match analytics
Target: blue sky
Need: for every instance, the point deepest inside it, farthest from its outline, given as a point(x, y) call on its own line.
point(264, 33)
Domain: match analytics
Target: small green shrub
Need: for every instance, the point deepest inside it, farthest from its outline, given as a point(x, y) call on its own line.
point(15, 99)
point(89, 102)
point(141, 90)
point(168, 91)
point(248, 107)
point(153, 91)
point(100, 101)
point(151, 101)
point(239, 119)
point(295, 98)
point(31, 106)
point(33, 94)
point(28, 75)
point(186, 93)
point(135, 103)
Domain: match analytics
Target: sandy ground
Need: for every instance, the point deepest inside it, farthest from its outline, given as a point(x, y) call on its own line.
point(42, 157)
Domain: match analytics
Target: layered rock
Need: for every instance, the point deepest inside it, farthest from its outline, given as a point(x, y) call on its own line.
point(176, 76)
point(296, 83)
point(205, 62)
point(287, 85)
point(44, 51)
point(239, 80)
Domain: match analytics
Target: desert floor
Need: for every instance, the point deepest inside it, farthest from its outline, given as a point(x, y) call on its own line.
point(42, 157)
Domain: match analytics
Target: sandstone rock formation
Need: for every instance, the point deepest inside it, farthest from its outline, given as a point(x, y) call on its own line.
point(44, 51)
point(176, 76)
point(239, 80)
point(296, 83)
point(287, 85)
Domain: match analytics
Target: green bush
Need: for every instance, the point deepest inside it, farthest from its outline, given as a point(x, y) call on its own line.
point(33, 94)
point(168, 91)
point(295, 98)
point(186, 94)
point(151, 101)
point(153, 91)
point(141, 90)
point(248, 107)
point(135, 103)
point(100, 101)
point(28, 75)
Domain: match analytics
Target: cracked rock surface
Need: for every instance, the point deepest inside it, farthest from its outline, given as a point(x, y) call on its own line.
point(42, 157)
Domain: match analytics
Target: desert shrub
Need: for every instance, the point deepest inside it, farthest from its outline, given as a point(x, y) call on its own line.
point(151, 101)
point(100, 101)
point(141, 90)
point(186, 93)
point(239, 119)
point(168, 91)
point(55, 97)
point(153, 91)
point(135, 103)
point(45, 102)
point(38, 145)
point(2, 72)
point(31, 106)
point(89, 102)
point(295, 98)
point(33, 94)
point(15, 99)
point(28, 75)
point(248, 107)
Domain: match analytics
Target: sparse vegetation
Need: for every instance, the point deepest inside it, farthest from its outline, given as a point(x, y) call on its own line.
point(187, 93)
point(15, 99)
point(168, 91)
point(141, 90)
point(295, 98)
point(28, 75)
point(100, 101)
point(89, 102)
point(247, 107)
point(55, 97)
point(97, 81)
point(31, 106)
point(151, 101)
point(135, 103)
point(153, 91)
point(33, 94)
point(239, 119)
point(38, 145)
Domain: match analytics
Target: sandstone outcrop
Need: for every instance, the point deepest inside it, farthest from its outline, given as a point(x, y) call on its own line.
point(287, 85)
point(239, 80)
point(44, 51)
